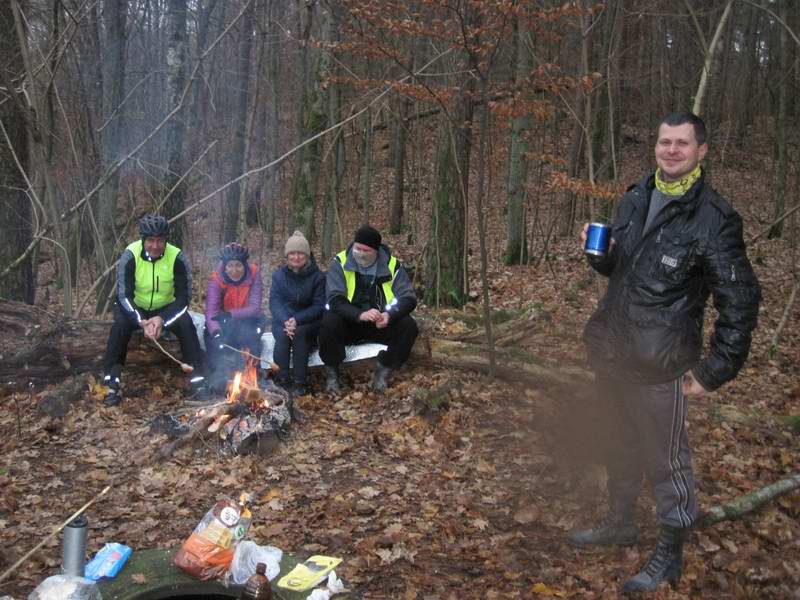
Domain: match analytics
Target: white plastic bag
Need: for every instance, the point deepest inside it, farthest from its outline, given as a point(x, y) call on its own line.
point(247, 555)
point(66, 587)
point(334, 586)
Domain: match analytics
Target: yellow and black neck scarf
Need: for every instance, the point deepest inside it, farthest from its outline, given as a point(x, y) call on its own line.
point(677, 188)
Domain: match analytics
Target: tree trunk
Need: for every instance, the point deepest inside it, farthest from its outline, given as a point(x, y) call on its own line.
point(15, 207)
point(113, 53)
point(176, 80)
point(366, 170)
point(232, 232)
point(312, 119)
point(781, 162)
point(247, 204)
point(444, 281)
point(399, 145)
point(747, 75)
point(204, 11)
point(337, 166)
point(481, 217)
point(516, 242)
point(708, 64)
point(272, 128)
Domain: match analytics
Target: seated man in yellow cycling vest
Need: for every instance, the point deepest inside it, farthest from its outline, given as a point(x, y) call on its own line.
point(154, 286)
point(369, 298)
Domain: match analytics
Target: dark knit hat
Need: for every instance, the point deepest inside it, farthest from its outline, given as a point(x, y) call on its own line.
point(369, 236)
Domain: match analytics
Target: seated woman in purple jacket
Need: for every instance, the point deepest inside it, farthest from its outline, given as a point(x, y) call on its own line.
point(233, 314)
point(296, 301)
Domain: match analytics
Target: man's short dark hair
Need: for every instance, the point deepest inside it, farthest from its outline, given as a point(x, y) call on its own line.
point(681, 118)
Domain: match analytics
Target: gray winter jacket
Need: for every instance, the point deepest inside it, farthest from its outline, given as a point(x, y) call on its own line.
point(369, 294)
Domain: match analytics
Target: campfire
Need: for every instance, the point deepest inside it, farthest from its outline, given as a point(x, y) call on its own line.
point(251, 419)
point(259, 413)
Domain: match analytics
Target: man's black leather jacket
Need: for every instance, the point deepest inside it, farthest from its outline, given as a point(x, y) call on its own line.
point(648, 327)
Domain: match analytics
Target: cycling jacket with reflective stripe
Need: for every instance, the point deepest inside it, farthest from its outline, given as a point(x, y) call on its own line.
point(162, 285)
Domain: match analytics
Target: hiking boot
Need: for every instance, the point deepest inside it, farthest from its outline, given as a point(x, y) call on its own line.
point(381, 379)
point(114, 393)
point(617, 528)
point(665, 564)
point(332, 385)
point(284, 383)
point(299, 389)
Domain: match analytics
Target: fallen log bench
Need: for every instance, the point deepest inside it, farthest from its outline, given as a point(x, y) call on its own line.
point(151, 575)
point(353, 353)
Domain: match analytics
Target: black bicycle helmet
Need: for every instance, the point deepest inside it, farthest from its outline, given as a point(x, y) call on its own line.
point(153, 226)
point(234, 251)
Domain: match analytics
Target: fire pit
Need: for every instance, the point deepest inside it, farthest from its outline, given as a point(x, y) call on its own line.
point(251, 420)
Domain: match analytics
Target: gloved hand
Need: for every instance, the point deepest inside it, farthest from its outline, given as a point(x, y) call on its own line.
point(222, 317)
point(217, 339)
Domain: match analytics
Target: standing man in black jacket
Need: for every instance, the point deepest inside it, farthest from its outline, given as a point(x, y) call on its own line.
point(675, 241)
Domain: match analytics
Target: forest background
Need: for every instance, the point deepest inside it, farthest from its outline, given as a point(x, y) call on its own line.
point(478, 136)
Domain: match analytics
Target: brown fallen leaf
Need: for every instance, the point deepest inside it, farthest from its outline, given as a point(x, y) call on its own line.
point(526, 515)
point(139, 578)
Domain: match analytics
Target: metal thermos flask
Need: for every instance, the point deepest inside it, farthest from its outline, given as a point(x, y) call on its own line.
point(73, 560)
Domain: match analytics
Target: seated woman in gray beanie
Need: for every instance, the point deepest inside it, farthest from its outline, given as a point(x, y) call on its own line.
point(296, 301)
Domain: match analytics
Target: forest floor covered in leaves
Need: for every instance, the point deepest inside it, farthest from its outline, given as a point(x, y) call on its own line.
point(465, 493)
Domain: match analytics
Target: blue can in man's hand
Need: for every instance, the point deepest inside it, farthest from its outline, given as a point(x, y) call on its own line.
point(597, 239)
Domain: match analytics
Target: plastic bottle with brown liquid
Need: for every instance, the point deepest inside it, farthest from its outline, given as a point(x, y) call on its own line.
point(257, 587)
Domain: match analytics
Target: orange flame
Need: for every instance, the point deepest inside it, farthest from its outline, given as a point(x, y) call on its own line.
point(235, 388)
point(246, 382)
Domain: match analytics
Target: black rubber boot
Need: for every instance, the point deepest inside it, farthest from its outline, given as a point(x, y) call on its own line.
point(332, 380)
point(665, 564)
point(284, 383)
point(617, 528)
point(114, 394)
point(381, 379)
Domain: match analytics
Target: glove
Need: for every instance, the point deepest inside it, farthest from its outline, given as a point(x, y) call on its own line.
point(217, 340)
point(222, 317)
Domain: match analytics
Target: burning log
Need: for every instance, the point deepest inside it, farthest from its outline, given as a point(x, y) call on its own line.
point(199, 428)
point(250, 421)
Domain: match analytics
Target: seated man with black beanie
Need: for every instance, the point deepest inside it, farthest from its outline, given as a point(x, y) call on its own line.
point(369, 298)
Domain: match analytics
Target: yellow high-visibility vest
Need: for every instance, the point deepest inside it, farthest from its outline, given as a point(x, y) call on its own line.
point(154, 287)
point(350, 278)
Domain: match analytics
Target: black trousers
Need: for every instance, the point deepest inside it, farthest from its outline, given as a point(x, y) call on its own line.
point(223, 362)
point(647, 436)
point(336, 333)
point(305, 338)
point(123, 327)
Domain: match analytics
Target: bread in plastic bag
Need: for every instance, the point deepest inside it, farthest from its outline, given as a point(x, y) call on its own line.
point(208, 552)
point(66, 587)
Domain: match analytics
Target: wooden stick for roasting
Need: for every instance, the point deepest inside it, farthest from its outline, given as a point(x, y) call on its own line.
point(184, 367)
point(242, 352)
point(69, 520)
